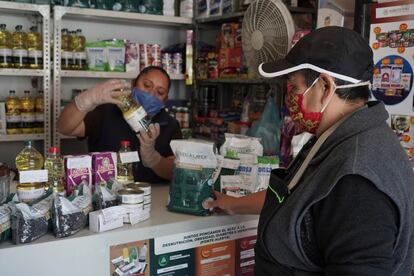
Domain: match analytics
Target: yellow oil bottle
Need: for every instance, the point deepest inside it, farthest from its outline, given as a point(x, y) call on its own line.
point(13, 116)
point(39, 113)
point(35, 49)
point(19, 39)
point(29, 159)
point(79, 53)
point(27, 112)
point(67, 55)
point(6, 57)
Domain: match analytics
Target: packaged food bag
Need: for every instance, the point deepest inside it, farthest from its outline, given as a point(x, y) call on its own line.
point(78, 170)
point(248, 170)
point(264, 168)
point(192, 181)
point(30, 222)
point(69, 215)
point(236, 144)
point(96, 56)
point(103, 198)
point(115, 52)
point(5, 222)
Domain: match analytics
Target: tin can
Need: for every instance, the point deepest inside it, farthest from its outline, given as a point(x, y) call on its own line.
point(166, 58)
point(131, 196)
point(144, 186)
point(156, 51)
point(177, 58)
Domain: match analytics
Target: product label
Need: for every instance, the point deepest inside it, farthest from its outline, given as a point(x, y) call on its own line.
point(129, 157)
point(135, 119)
point(28, 118)
point(79, 162)
point(6, 55)
point(20, 57)
point(39, 117)
point(29, 195)
point(35, 57)
point(13, 118)
point(31, 176)
point(113, 213)
point(67, 59)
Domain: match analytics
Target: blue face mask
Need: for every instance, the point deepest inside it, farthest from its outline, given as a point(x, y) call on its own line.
point(151, 104)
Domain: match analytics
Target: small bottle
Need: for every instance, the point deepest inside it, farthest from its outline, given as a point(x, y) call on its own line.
point(55, 171)
point(29, 159)
point(19, 39)
point(39, 113)
point(67, 54)
point(133, 112)
point(13, 115)
point(79, 51)
point(28, 113)
point(125, 174)
point(34, 49)
point(6, 45)
point(143, 253)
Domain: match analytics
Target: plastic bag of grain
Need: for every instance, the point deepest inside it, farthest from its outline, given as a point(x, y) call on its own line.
point(30, 222)
point(5, 222)
point(192, 181)
point(70, 215)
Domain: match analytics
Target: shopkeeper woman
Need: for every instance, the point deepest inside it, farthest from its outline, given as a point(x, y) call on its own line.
point(94, 115)
point(345, 205)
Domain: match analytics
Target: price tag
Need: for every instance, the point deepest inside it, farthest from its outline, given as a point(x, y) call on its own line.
point(113, 213)
point(129, 157)
point(33, 176)
point(79, 162)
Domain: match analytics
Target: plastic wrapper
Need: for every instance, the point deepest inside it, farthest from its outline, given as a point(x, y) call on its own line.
point(5, 222)
point(192, 180)
point(264, 168)
point(28, 223)
point(103, 198)
point(70, 215)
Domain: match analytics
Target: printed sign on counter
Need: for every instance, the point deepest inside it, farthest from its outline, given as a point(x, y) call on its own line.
point(215, 259)
point(178, 263)
point(245, 256)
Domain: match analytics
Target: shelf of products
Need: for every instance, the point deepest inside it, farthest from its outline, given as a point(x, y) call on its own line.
point(105, 15)
point(109, 75)
point(21, 137)
point(42, 12)
point(218, 19)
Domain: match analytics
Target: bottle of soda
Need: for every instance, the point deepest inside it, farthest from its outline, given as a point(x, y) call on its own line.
point(125, 174)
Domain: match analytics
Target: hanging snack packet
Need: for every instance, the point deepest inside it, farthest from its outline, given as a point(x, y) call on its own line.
point(265, 166)
point(69, 215)
point(192, 180)
point(30, 222)
point(5, 222)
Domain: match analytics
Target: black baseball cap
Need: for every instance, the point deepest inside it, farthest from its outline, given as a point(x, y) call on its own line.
point(340, 52)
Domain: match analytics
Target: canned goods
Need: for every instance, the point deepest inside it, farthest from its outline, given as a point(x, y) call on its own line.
point(131, 196)
point(146, 187)
point(135, 210)
point(156, 51)
point(166, 58)
point(147, 199)
point(147, 207)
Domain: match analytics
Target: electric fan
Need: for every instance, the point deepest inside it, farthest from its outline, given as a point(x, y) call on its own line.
point(267, 32)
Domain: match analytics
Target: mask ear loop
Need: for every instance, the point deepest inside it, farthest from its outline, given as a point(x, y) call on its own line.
point(309, 88)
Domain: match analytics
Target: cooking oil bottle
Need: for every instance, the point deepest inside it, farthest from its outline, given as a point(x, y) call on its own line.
point(125, 174)
point(6, 45)
point(55, 171)
point(79, 53)
point(27, 112)
point(13, 116)
point(19, 39)
point(67, 55)
point(133, 112)
point(34, 48)
point(39, 113)
point(29, 159)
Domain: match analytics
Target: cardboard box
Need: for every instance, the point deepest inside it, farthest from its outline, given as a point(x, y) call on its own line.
point(98, 224)
point(230, 57)
point(103, 166)
point(132, 60)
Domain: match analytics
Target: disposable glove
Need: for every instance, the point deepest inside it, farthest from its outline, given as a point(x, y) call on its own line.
point(150, 103)
point(101, 93)
point(149, 156)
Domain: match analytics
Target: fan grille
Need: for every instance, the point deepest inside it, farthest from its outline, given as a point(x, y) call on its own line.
point(267, 32)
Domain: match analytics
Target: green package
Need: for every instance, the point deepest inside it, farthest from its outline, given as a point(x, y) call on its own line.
point(192, 182)
point(96, 56)
point(115, 52)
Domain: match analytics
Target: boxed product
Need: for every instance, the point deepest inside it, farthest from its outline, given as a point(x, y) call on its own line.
point(103, 166)
point(145, 58)
point(3, 118)
point(132, 57)
point(96, 56)
point(106, 219)
point(215, 7)
point(5, 222)
point(230, 6)
point(203, 8)
point(193, 176)
point(115, 51)
point(78, 170)
point(229, 58)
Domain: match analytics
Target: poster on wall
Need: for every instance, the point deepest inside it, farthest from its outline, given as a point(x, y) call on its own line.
point(392, 42)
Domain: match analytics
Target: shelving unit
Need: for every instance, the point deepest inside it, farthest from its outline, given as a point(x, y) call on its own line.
point(43, 11)
point(64, 14)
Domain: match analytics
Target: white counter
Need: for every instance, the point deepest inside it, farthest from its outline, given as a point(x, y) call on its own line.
point(87, 253)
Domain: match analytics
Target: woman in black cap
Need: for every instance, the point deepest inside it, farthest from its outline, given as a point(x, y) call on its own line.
point(345, 205)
